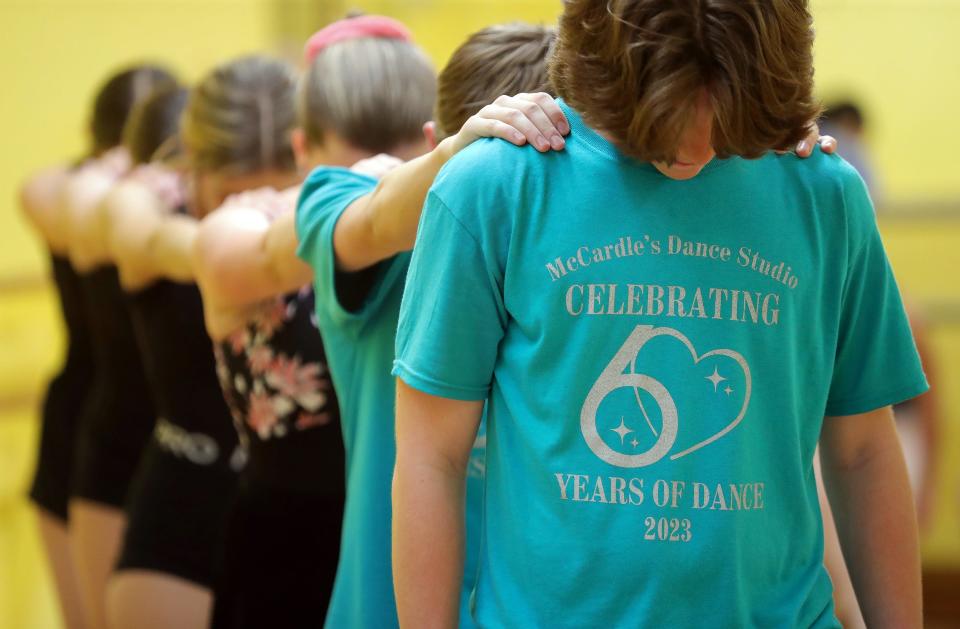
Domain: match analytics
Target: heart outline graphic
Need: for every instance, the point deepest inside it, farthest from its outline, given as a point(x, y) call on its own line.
point(613, 377)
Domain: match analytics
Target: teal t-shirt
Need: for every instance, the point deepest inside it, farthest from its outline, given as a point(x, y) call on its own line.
point(360, 348)
point(657, 358)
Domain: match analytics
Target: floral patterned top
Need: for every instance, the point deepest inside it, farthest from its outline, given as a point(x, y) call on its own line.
point(275, 380)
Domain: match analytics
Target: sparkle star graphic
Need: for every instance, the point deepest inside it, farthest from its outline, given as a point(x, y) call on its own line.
point(728, 390)
point(716, 378)
point(634, 443)
point(622, 430)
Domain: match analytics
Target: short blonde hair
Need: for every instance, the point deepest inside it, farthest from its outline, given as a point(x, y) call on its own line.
point(374, 93)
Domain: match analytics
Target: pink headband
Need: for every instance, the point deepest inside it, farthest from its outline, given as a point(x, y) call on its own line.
point(355, 28)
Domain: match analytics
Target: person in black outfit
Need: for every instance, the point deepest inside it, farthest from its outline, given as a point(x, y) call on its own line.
point(70, 393)
point(233, 136)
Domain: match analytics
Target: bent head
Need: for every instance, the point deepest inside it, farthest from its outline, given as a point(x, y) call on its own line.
point(236, 130)
point(677, 83)
point(118, 97)
point(368, 90)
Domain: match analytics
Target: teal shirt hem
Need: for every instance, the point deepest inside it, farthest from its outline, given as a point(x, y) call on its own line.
point(858, 406)
point(435, 387)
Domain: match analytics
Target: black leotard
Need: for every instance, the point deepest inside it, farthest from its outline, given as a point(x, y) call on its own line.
point(65, 397)
point(118, 414)
point(178, 356)
point(184, 490)
point(284, 538)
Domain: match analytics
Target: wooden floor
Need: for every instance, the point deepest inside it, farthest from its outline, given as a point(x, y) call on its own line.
point(26, 591)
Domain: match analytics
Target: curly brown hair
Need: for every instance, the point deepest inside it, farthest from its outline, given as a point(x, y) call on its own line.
point(503, 59)
point(634, 69)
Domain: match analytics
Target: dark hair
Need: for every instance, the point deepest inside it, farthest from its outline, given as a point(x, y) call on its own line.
point(504, 59)
point(634, 68)
point(116, 99)
point(240, 116)
point(844, 113)
point(374, 93)
point(154, 122)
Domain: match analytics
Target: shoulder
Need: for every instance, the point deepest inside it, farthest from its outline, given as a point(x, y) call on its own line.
point(828, 172)
point(488, 164)
point(834, 189)
point(491, 177)
point(42, 189)
point(328, 181)
point(326, 192)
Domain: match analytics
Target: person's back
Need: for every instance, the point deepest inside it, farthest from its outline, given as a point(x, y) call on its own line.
point(658, 335)
point(640, 337)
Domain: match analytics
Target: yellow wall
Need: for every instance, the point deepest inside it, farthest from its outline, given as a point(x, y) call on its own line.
point(53, 54)
point(902, 59)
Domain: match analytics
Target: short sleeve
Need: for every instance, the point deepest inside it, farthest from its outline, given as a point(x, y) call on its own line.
point(452, 317)
point(326, 194)
point(876, 360)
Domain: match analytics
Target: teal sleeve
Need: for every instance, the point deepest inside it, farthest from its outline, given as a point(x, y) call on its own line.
point(326, 194)
point(876, 361)
point(452, 317)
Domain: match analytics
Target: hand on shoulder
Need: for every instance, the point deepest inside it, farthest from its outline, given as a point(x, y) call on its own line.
point(165, 183)
point(534, 119)
point(376, 166)
point(268, 201)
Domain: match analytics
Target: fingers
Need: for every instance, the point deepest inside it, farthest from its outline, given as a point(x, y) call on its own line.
point(531, 115)
point(805, 147)
point(517, 120)
point(493, 128)
point(525, 118)
point(551, 108)
point(376, 166)
point(828, 144)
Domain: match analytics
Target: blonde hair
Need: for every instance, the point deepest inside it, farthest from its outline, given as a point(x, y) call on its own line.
point(240, 116)
point(374, 93)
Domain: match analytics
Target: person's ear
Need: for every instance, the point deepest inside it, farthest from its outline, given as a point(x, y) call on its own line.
point(298, 142)
point(430, 133)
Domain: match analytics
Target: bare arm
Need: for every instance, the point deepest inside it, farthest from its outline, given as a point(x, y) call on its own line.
point(134, 214)
point(84, 220)
point(242, 257)
point(39, 199)
point(844, 600)
point(927, 407)
point(866, 480)
point(146, 240)
point(384, 222)
point(171, 245)
point(434, 439)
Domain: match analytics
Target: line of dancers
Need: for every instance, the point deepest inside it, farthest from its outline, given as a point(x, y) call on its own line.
point(219, 447)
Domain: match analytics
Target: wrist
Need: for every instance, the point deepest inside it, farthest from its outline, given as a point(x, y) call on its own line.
point(445, 150)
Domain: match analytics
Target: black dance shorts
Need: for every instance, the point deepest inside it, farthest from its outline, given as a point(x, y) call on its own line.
point(280, 561)
point(112, 435)
point(177, 513)
point(55, 458)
